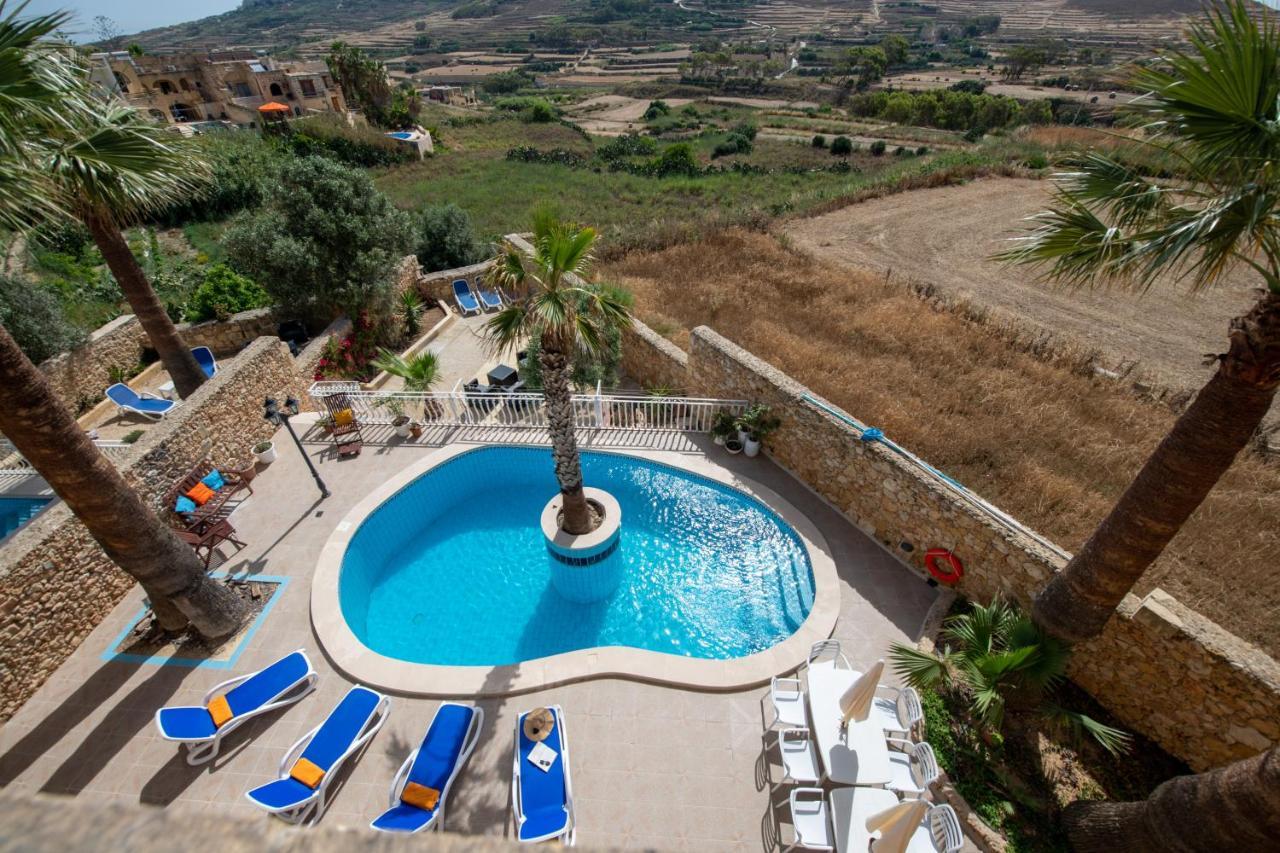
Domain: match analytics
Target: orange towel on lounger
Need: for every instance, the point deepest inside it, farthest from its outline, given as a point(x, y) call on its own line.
point(420, 795)
point(306, 773)
point(200, 493)
point(220, 711)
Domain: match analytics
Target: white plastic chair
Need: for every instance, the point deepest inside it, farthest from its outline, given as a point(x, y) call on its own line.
point(942, 829)
point(827, 653)
point(899, 714)
point(799, 757)
point(913, 770)
point(810, 820)
point(787, 696)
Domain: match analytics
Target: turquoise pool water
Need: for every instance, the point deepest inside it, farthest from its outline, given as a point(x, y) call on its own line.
point(453, 569)
point(15, 512)
point(400, 134)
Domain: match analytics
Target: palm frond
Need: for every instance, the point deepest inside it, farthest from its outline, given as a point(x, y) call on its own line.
point(920, 670)
point(1113, 740)
point(1102, 183)
point(507, 329)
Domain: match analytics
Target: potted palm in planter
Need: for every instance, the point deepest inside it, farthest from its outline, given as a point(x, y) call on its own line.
point(399, 420)
point(419, 373)
point(754, 425)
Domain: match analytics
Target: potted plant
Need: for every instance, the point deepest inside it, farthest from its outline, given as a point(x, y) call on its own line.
point(723, 425)
point(733, 445)
point(265, 451)
point(399, 420)
point(754, 425)
point(415, 429)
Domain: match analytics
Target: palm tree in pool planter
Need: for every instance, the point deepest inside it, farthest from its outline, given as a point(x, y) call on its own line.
point(569, 318)
point(1212, 111)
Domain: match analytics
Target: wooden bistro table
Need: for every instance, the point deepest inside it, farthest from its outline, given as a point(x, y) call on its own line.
point(856, 755)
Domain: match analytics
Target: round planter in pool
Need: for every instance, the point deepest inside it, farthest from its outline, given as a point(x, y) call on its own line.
point(587, 567)
point(441, 581)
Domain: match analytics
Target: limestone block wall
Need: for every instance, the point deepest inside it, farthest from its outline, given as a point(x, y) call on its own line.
point(56, 584)
point(1164, 670)
point(439, 285)
point(647, 354)
point(80, 376)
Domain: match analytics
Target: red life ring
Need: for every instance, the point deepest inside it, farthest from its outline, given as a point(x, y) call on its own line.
point(944, 576)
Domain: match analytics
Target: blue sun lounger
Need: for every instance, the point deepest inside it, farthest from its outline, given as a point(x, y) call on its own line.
point(204, 358)
point(283, 683)
point(433, 766)
point(489, 297)
point(466, 300)
point(147, 405)
point(542, 800)
point(315, 759)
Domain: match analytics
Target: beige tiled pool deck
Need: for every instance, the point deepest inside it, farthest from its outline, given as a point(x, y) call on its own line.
point(653, 767)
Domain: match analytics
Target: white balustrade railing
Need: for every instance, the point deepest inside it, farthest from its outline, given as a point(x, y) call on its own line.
point(14, 463)
point(463, 407)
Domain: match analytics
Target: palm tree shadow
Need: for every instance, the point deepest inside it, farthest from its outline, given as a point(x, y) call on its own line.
point(131, 714)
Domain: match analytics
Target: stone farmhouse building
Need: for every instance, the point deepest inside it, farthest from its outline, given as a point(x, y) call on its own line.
point(226, 86)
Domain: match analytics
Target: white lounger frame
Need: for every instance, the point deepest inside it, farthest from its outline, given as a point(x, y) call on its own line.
point(402, 775)
point(309, 811)
point(570, 832)
point(206, 749)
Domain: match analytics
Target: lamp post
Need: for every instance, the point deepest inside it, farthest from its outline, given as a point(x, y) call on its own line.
point(272, 411)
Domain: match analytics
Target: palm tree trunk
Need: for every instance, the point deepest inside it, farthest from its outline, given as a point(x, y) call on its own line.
point(1205, 440)
point(1236, 807)
point(43, 431)
point(173, 351)
point(564, 444)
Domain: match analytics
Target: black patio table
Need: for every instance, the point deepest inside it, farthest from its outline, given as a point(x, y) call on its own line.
point(503, 376)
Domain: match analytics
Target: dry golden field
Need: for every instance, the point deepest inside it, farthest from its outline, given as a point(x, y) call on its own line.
point(1037, 435)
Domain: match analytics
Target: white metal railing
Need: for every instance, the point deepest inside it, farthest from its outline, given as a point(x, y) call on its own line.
point(13, 463)
point(463, 407)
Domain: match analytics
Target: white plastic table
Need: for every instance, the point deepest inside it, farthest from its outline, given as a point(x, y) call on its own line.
point(850, 808)
point(856, 755)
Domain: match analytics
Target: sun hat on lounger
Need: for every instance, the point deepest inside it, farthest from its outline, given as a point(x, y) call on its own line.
point(542, 800)
point(298, 796)
point(420, 788)
point(234, 702)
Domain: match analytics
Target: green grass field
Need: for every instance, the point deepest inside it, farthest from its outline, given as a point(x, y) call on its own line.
point(470, 170)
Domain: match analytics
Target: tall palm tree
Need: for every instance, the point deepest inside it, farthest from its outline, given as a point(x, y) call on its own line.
point(66, 153)
point(1236, 807)
point(114, 167)
point(43, 431)
point(1213, 109)
point(568, 318)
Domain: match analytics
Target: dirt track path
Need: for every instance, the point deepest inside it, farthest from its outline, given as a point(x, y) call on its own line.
point(946, 236)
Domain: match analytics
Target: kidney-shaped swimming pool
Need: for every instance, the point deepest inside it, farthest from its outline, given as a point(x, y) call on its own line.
point(453, 568)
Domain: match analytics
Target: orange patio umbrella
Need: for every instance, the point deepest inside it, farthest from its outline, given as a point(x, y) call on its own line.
point(273, 107)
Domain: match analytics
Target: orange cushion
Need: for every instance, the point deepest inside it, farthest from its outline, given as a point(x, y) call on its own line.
point(306, 773)
point(420, 795)
point(200, 493)
point(220, 711)
point(344, 418)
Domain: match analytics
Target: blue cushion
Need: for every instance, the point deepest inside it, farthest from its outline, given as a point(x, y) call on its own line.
point(341, 727)
point(186, 723)
point(214, 480)
point(184, 505)
point(438, 755)
point(403, 818)
point(282, 793)
point(543, 795)
point(267, 684)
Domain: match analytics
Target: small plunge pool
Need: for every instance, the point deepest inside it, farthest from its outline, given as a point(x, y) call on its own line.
point(453, 569)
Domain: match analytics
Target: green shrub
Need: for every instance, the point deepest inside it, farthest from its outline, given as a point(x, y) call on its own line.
point(627, 145)
point(900, 151)
point(242, 165)
point(222, 293)
point(506, 82)
point(64, 237)
point(332, 137)
point(34, 317)
point(735, 143)
point(922, 150)
point(656, 109)
point(746, 129)
point(446, 238)
point(842, 146)
point(878, 147)
point(677, 159)
point(819, 141)
point(540, 112)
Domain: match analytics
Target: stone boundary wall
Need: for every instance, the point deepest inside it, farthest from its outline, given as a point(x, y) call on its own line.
point(647, 354)
point(81, 375)
point(56, 584)
point(1202, 693)
point(438, 285)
